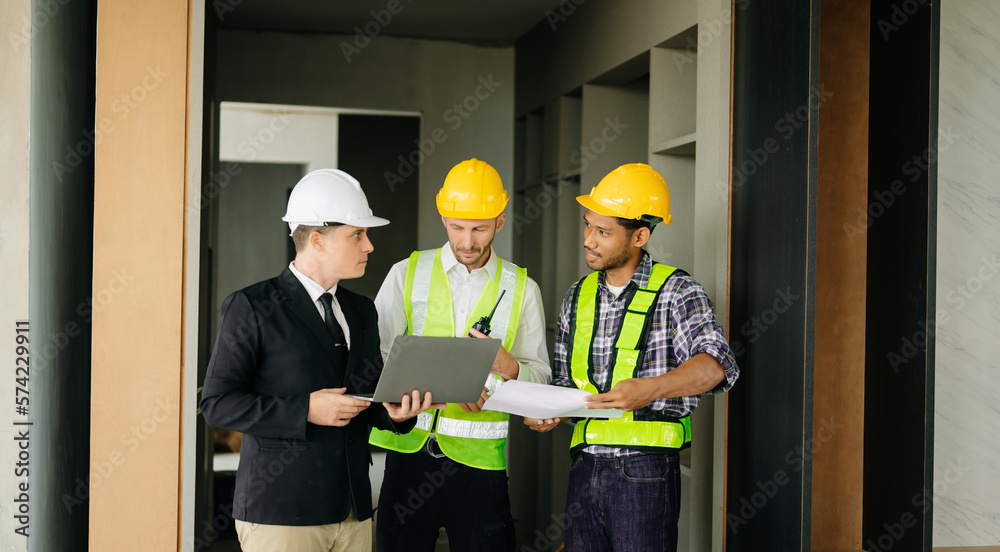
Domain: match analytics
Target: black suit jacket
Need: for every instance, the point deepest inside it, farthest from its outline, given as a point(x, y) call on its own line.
point(273, 350)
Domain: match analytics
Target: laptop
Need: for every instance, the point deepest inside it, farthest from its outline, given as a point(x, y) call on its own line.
point(453, 369)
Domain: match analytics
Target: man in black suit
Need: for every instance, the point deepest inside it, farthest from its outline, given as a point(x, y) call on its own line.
point(289, 348)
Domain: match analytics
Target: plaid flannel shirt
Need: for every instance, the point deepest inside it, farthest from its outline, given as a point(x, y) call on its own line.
point(683, 325)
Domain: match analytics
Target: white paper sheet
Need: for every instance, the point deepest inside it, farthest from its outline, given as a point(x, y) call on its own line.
point(534, 400)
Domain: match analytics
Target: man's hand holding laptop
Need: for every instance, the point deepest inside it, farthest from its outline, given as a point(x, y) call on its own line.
point(410, 406)
point(331, 407)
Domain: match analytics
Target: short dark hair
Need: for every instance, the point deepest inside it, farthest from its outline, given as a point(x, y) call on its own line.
point(631, 225)
point(300, 236)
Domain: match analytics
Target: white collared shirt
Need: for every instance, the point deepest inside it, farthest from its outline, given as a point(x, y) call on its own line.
point(315, 291)
point(466, 287)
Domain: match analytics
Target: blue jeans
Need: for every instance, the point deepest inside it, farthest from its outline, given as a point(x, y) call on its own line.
point(623, 504)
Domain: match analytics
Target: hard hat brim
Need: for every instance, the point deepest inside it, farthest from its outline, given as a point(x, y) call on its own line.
point(493, 213)
point(596, 207)
point(368, 222)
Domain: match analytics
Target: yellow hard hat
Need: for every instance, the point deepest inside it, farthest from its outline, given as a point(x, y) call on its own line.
point(472, 190)
point(629, 192)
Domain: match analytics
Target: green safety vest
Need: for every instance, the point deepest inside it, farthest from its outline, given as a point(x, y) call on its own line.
point(654, 431)
point(473, 439)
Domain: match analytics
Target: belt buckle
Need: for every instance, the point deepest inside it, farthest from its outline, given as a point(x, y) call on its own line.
point(429, 447)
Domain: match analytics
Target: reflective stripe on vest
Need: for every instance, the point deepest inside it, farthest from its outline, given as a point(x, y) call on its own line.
point(634, 434)
point(424, 421)
point(463, 428)
point(669, 433)
point(473, 439)
point(472, 429)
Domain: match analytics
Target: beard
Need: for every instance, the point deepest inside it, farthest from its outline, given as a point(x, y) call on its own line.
point(482, 252)
point(617, 260)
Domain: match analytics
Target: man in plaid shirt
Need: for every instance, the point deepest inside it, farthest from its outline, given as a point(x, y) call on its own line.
point(643, 338)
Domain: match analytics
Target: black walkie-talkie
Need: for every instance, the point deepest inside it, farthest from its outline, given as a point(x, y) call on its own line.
point(484, 323)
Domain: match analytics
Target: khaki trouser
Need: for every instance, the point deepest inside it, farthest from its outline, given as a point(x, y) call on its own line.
point(349, 534)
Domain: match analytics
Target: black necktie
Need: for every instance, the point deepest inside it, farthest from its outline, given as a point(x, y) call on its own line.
point(340, 342)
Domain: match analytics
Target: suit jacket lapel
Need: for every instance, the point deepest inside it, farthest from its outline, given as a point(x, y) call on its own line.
point(304, 308)
point(354, 324)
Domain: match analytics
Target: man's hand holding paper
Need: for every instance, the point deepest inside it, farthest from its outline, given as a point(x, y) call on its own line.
point(534, 400)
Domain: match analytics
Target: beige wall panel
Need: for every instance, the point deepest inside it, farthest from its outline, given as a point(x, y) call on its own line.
point(139, 227)
point(841, 259)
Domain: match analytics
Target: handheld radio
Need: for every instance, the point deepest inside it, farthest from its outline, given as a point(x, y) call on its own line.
point(483, 325)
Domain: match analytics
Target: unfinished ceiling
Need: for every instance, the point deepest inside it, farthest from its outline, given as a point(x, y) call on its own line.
point(433, 19)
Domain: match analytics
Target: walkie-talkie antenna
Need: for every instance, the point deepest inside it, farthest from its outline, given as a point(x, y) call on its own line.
point(483, 325)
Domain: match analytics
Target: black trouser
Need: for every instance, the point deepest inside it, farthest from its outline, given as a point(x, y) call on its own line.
point(420, 494)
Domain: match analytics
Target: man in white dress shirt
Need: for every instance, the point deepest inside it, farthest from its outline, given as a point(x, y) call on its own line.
point(450, 470)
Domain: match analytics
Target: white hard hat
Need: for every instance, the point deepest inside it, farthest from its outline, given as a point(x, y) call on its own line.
point(329, 195)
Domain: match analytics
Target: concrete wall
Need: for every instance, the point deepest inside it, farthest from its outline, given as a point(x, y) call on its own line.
point(15, 103)
point(576, 44)
point(966, 487)
point(464, 93)
point(253, 240)
point(261, 133)
point(53, 283)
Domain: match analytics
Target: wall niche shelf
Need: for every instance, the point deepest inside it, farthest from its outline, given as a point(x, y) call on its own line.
point(682, 145)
